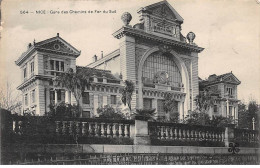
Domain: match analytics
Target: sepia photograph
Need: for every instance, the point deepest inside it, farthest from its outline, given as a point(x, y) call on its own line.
point(129, 82)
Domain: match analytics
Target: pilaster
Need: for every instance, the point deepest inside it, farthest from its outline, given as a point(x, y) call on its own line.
point(127, 62)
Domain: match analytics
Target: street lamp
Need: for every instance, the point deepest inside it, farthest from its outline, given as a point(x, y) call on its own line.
point(253, 122)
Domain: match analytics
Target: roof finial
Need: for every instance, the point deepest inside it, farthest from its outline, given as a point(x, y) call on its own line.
point(58, 34)
point(33, 41)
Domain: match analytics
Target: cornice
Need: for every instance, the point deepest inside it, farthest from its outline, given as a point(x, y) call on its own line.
point(32, 79)
point(127, 30)
point(111, 55)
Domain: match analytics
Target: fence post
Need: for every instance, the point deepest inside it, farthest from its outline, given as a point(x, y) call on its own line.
point(141, 136)
point(229, 135)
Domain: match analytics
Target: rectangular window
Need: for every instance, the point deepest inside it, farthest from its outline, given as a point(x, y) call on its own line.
point(25, 73)
point(230, 111)
point(85, 98)
point(62, 66)
point(33, 96)
point(52, 96)
point(59, 95)
point(113, 99)
point(86, 114)
point(147, 103)
point(160, 106)
point(52, 64)
point(215, 108)
point(230, 91)
point(32, 68)
point(57, 66)
point(26, 99)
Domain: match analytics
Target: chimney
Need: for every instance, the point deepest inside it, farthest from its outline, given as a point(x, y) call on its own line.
point(58, 34)
point(94, 58)
point(101, 54)
point(29, 45)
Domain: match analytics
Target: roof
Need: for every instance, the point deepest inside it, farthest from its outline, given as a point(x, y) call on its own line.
point(164, 2)
point(99, 73)
point(65, 48)
point(224, 78)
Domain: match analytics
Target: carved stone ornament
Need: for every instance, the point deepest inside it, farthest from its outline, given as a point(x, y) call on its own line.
point(161, 77)
point(191, 36)
point(126, 18)
point(165, 48)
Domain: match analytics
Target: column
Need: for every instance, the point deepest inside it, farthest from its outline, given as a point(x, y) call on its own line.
point(227, 107)
point(181, 110)
point(127, 62)
point(104, 100)
point(95, 104)
point(56, 96)
point(154, 105)
point(67, 97)
point(47, 99)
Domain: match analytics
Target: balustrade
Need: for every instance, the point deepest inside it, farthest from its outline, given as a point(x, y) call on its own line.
point(185, 133)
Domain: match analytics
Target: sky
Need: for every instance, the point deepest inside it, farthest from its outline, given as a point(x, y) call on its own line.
point(228, 30)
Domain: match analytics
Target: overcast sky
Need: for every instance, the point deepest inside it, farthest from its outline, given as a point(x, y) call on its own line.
point(228, 30)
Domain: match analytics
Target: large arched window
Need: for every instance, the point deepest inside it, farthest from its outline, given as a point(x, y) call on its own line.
point(157, 63)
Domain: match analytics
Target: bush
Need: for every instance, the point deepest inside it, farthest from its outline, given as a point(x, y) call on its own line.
point(63, 110)
point(109, 112)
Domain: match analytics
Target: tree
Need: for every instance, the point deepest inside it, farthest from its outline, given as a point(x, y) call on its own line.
point(9, 99)
point(197, 118)
point(145, 114)
point(243, 116)
point(204, 101)
point(127, 93)
point(109, 112)
point(253, 112)
point(74, 82)
point(169, 105)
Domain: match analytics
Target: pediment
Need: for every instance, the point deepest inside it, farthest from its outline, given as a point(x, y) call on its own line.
point(164, 10)
point(231, 79)
point(57, 45)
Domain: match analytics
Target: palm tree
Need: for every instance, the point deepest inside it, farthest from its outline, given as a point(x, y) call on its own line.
point(205, 100)
point(74, 82)
point(127, 93)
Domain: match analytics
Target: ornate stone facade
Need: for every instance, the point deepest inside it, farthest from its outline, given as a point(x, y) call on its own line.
point(153, 54)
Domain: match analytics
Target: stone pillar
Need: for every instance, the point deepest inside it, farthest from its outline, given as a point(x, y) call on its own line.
point(194, 79)
point(227, 108)
point(229, 135)
point(127, 62)
point(56, 96)
point(141, 133)
point(181, 110)
point(95, 104)
point(47, 99)
point(68, 97)
point(104, 100)
point(154, 106)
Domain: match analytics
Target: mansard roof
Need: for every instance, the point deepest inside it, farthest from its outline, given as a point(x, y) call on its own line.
point(55, 45)
point(224, 78)
point(160, 8)
point(99, 73)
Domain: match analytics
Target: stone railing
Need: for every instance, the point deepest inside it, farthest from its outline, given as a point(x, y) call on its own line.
point(246, 137)
point(175, 134)
point(95, 127)
point(38, 129)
